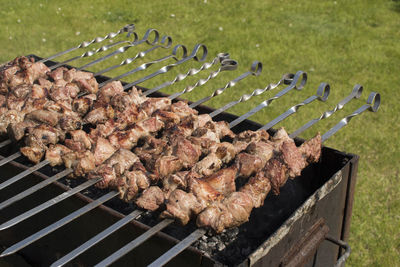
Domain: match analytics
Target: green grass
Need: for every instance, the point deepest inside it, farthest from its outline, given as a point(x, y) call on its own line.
point(339, 42)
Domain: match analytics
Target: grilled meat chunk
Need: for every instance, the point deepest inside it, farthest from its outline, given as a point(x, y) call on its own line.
point(151, 198)
point(55, 154)
point(121, 161)
point(232, 211)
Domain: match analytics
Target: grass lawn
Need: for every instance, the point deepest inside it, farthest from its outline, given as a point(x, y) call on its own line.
point(339, 42)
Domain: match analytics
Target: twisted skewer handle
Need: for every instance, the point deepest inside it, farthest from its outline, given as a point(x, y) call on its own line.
point(128, 28)
point(199, 48)
point(355, 93)
point(226, 64)
point(180, 77)
point(300, 76)
point(146, 65)
point(166, 42)
point(255, 70)
point(322, 95)
point(124, 48)
point(373, 103)
point(286, 78)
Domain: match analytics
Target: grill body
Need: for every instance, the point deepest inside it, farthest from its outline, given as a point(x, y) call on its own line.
point(324, 193)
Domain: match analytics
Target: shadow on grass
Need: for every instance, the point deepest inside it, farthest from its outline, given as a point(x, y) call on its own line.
point(396, 6)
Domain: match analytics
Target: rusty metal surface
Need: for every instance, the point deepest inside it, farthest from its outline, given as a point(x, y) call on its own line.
point(305, 249)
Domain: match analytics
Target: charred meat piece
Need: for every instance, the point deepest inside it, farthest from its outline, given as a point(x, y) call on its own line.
point(248, 164)
point(121, 161)
point(151, 198)
point(79, 141)
point(131, 182)
point(167, 165)
point(311, 149)
point(103, 150)
point(44, 116)
point(34, 154)
point(181, 206)
point(223, 180)
point(16, 131)
point(257, 188)
point(55, 154)
point(232, 211)
point(10, 116)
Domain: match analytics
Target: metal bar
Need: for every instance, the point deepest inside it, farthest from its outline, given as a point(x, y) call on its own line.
point(91, 53)
point(340, 262)
point(128, 28)
point(47, 204)
point(266, 103)
point(4, 143)
point(51, 228)
point(148, 64)
point(125, 48)
point(373, 103)
point(23, 174)
point(226, 65)
point(356, 93)
point(134, 243)
point(286, 78)
point(178, 248)
point(34, 188)
point(166, 42)
point(255, 70)
point(322, 95)
point(167, 68)
point(10, 158)
point(96, 239)
point(180, 77)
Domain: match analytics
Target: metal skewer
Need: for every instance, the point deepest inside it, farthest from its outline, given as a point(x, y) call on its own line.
point(34, 188)
point(10, 158)
point(48, 229)
point(134, 243)
point(267, 102)
point(128, 28)
point(48, 204)
point(373, 104)
point(286, 78)
point(29, 240)
point(23, 174)
point(255, 70)
point(4, 143)
point(180, 77)
point(226, 65)
point(178, 248)
point(356, 93)
point(85, 246)
point(166, 42)
point(322, 95)
point(146, 65)
point(120, 50)
point(92, 53)
point(167, 68)
point(127, 247)
point(45, 182)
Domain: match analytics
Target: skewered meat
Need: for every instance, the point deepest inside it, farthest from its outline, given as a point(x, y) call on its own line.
point(151, 198)
point(121, 161)
point(235, 209)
